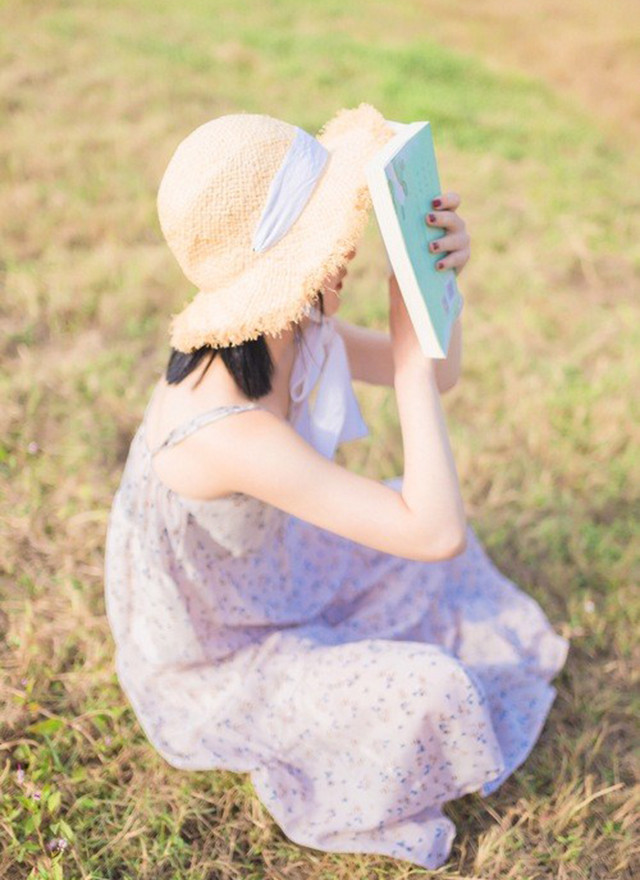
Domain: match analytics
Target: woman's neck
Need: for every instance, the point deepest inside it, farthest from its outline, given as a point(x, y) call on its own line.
point(218, 384)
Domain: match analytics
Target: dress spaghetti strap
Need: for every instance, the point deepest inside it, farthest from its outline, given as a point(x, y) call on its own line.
point(205, 418)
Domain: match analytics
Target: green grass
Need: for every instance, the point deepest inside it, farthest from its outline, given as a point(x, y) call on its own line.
point(544, 423)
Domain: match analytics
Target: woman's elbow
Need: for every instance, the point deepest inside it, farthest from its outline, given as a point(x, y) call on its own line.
point(446, 547)
point(457, 546)
point(445, 385)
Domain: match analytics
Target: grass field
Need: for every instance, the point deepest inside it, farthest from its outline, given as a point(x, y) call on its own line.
point(536, 114)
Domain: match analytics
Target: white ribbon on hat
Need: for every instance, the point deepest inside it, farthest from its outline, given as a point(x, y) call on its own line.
point(292, 185)
point(290, 189)
point(335, 415)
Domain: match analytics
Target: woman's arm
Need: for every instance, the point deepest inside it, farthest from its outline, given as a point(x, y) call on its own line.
point(265, 457)
point(369, 352)
point(371, 357)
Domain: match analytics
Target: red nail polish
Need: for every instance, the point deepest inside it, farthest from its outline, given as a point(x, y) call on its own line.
point(439, 265)
point(432, 218)
point(435, 246)
point(437, 203)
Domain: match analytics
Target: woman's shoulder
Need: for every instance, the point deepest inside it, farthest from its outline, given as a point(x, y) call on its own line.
point(195, 451)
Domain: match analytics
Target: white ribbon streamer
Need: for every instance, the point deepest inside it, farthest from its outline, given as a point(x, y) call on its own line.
point(290, 189)
point(335, 416)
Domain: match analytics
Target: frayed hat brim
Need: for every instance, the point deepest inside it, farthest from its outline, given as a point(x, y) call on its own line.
point(278, 288)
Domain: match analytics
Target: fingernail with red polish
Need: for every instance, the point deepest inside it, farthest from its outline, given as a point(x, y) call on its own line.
point(432, 218)
point(439, 265)
point(436, 203)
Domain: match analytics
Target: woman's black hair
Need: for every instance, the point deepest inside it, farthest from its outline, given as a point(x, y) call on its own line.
point(249, 363)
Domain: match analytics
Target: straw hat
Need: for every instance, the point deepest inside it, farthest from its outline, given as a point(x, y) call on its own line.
point(213, 198)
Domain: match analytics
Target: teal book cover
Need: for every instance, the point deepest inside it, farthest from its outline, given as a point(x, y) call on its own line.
point(409, 166)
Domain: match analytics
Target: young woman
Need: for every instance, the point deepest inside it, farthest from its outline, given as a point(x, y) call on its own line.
point(345, 641)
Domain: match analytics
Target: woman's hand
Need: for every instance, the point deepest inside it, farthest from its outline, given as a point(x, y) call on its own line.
point(455, 245)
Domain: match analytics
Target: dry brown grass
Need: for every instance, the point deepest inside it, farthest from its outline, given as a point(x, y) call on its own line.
point(545, 422)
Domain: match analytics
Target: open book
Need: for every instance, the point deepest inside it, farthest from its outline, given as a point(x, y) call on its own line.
point(403, 179)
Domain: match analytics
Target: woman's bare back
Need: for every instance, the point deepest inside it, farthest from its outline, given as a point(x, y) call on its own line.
point(207, 388)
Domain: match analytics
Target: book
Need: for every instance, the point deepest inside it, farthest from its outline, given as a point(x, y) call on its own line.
point(403, 179)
